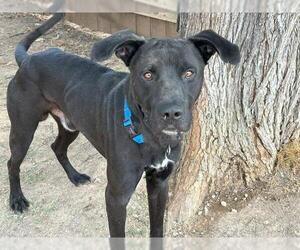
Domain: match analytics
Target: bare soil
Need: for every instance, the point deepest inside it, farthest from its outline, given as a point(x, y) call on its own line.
point(59, 209)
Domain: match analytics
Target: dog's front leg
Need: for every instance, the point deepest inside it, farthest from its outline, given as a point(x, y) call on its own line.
point(121, 184)
point(116, 211)
point(157, 197)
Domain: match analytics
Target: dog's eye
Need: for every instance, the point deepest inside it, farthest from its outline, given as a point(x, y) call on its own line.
point(148, 76)
point(188, 74)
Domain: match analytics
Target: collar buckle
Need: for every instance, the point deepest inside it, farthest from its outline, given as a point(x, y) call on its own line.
point(127, 123)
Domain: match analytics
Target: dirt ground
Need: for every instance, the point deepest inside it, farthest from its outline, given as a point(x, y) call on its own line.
point(59, 209)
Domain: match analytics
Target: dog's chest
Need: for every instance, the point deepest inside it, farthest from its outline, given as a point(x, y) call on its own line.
point(161, 164)
point(158, 161)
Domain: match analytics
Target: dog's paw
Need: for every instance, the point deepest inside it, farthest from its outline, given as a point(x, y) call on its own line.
point(80, 179)
point(18, 203)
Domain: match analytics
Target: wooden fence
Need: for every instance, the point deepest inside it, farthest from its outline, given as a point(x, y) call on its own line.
point(145, 24)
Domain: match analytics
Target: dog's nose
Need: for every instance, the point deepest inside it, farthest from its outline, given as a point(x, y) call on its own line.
point(172, 114)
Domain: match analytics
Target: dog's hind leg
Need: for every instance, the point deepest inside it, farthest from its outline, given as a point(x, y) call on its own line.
point(19, 143)
point(25, 112)
point(60, 148)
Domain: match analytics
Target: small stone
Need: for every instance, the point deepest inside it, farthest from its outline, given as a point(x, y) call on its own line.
point(234, 210)
point(223, 203)
point(60, 42)
point(200, 212)
point(205, 210)
point(97, 180)
point(246, 195)
point(2, 61)
point(297, 233)
point(213, 196)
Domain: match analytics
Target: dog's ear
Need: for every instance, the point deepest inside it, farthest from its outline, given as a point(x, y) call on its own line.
point(208, 43)
point(123, 43)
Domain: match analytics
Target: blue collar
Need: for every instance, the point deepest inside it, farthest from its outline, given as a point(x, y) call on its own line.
point(127, 123)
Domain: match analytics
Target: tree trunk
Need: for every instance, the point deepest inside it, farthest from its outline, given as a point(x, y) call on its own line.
point(245, 114)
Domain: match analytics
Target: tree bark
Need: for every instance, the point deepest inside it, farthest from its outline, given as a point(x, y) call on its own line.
point(245, 113)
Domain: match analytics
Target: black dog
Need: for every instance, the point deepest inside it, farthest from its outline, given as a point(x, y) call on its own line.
point(134, 120)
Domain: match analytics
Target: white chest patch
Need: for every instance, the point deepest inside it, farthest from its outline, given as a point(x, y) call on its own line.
point(163, 165)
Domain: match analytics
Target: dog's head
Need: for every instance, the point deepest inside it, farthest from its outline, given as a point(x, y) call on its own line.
point(166, 76)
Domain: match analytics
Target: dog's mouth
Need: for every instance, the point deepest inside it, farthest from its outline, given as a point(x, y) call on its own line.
point(171, 132)
point(170, 137)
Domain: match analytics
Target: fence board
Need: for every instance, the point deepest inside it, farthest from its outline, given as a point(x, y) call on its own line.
point(111, 22)
point(158, 28)
point(143, 26)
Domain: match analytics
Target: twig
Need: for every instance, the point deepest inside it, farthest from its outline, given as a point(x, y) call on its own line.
point(18, 34)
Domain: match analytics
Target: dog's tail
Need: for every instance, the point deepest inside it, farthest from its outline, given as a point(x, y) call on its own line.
point(24, 44)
